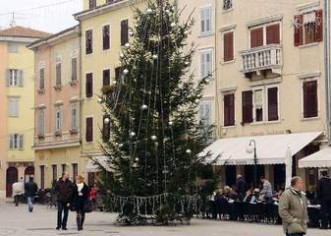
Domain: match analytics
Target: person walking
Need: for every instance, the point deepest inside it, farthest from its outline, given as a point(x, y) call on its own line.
point(30, 191)
point(18, 191)
point(81, 196)
point(64, 190)
point(293, 209)
point(324, 196)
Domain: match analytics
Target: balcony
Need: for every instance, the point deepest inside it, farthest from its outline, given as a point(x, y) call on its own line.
point(53, 141)
point(265, 61)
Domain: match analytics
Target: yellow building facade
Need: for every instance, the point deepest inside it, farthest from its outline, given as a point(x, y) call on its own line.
point(16, 113)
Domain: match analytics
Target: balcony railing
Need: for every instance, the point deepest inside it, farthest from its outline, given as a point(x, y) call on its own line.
point(57, 141)
point(261, 58)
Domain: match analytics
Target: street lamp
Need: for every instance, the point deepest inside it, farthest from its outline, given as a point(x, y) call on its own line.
point(252, 148)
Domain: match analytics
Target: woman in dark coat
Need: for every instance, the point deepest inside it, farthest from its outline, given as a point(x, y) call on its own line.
point(81, 195)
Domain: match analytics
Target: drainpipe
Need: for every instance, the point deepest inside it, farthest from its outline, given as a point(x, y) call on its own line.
point(216, 98)
point(327, 65)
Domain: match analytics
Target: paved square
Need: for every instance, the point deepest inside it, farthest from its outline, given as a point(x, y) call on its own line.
point(18, 221)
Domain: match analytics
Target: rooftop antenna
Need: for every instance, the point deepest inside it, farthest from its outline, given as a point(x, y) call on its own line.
point(13, 22)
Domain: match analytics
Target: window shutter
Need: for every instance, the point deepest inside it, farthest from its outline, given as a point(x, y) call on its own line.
point(73, 69)
point(273, 34)
point(256, 37)
point(89, 129)
point(228, 46)
point(319, 26)
point(89, 85)
point(106, 77)
point(124, 32)
point(88, 41)
point(298, 30)
point(10, 141)
point(247, 106)
point(310, 99)
point(229, 110)
point(8, 78)
point(273, 104)
point(105, 37)
point(20, 78)
point(21, 141)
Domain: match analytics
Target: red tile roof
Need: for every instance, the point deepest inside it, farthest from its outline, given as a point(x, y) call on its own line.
point(19, 31)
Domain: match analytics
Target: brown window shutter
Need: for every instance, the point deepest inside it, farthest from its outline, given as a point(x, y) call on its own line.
point(319, 26)
point(273, 35)
point(229, 110)
point(124, 32)
point(256, 37)
point(89, 129)
point(298, 30)
point(106, 77)
point(310, 99)
point(272, 104)
point(89, 85)
point(228, 46)
point(106, 129)
point(247, 106)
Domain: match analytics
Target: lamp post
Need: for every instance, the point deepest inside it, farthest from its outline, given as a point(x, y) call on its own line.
point(252, 148)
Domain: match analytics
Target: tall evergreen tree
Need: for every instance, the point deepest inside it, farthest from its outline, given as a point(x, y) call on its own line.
point(151, 109)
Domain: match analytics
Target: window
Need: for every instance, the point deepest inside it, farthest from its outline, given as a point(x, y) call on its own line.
point(15, 141)
point(54, 175)
point(64, 167)
point(205, 64)
point(89, 85)
point(14, 78)
point(13, 47)
point(205, 21)
point(74, 170)
point(228, 46)
point(74, 118)
point(308, 28)
point(310, 100)
point(124, 32)
point(88, 41)
point(58, 119)
point(106, 77)
point(92, 4)
point(265, 35)
point(259, 105)
point(106, 37)
point(106, 128)
point(42, 78)
point(205, 113)
point(227, 4)
point(42, 176)
point(58, 74)
point(118, 74)
point(229, 119)
point(13, 105)
point(89, 129)
point(74, 69)
point(41, 122)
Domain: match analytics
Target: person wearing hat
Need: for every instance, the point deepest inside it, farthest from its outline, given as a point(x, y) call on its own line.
point(81, 195)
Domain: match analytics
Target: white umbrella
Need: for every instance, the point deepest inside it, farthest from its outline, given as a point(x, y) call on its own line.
point(288, 166)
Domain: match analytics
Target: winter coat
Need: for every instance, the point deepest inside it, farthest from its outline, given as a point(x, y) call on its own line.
point(324, 189)
point(30, 189)
point(64, 191)
point(79, 199)
point(292, 209)
point(241, 188)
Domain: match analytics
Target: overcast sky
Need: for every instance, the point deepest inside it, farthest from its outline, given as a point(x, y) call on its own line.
point(46, 15)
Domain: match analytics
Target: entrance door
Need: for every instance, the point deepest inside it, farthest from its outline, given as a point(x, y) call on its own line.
point(11, 177)
point(29, 171)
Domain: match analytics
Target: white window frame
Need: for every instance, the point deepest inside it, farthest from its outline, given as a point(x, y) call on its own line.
point(15, 78)
point(13, 106)
point(202, 63)
point(206, 16)
point(58, 119)
point(16, 141)
point(264, 26)
point(206, 103)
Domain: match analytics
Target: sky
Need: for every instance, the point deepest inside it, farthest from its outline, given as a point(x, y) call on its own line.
point(47, 15)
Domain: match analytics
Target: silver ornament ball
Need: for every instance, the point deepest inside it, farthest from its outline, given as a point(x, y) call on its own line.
point(107, 120)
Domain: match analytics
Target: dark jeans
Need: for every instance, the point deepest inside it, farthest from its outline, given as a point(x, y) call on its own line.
point(326, 213)
point(295, 234)
point(62, 222)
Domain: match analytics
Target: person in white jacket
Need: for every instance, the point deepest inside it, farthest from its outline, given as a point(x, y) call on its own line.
point(18, 190)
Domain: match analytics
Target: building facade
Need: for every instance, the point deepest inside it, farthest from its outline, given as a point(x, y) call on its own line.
point(16, 114)
point(57, 108)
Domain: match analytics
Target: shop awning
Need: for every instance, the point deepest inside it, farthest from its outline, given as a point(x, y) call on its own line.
point(318, 159)
point(270, 149)
point(92, 165)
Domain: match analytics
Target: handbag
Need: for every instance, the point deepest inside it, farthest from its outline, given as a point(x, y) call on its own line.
point(87, 207)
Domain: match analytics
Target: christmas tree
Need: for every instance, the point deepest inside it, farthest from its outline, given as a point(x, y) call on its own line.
point(151, 110)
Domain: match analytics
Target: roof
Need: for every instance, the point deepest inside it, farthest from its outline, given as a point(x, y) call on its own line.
point(270, 149)
point(19, 31)
point(318, 159)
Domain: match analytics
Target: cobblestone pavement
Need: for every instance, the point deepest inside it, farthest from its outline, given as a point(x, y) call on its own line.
point(18, 221)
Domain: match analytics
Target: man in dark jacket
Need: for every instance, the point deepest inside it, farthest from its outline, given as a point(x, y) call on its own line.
point(30, 191)
point(241, 187)
point(324, 195)
point(64, 189)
